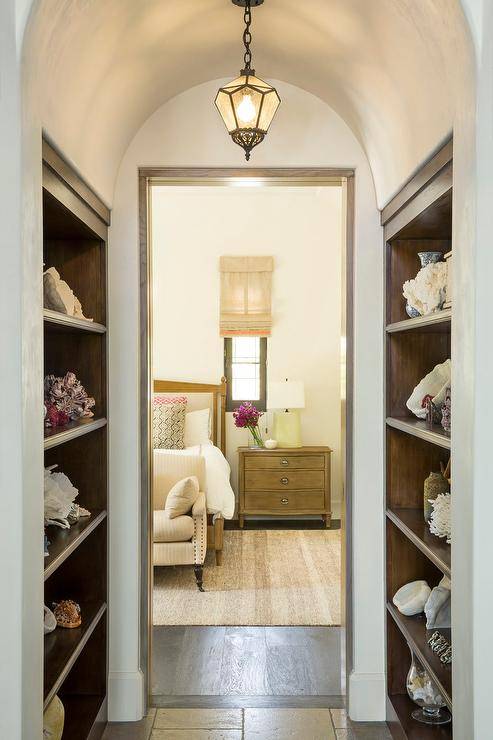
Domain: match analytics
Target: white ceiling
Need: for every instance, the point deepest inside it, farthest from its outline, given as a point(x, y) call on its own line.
point(388, 67)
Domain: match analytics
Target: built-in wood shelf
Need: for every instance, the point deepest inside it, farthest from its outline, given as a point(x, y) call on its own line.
point(54, 436)
point(415, 633)
point(63, 646)
point(411, 522)
point(80, 711)
point(420, 428)
point(439, 321)
point(402, 706)
point(61, 322)
point(63, 542)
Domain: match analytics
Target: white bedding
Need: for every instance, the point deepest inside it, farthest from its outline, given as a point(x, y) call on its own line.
point(220, 495)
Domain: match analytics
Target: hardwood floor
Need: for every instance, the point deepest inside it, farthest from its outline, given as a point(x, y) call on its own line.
point(245, 662)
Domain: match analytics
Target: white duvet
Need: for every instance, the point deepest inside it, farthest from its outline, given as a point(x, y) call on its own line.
point(220, 495)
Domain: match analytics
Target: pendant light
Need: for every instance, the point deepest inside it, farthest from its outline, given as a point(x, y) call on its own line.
point(247, 104)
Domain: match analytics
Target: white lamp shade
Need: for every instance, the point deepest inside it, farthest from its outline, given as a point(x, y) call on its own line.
point(286, 394)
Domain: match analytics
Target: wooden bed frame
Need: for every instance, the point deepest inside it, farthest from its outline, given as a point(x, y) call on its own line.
point(215, 530)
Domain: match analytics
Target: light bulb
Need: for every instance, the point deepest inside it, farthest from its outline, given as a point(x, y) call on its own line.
point(246, 111)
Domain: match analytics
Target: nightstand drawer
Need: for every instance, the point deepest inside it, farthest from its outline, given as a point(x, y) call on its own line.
point(285, 502)
point(279, 480)
point(262, 461)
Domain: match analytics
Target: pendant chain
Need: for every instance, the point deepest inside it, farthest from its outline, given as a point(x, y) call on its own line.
point(247, 36)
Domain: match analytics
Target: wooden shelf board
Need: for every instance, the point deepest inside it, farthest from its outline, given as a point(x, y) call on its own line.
point(65, 541)
point(59, 435)
point(440, 320)
point(410, 729)
point(415, 633)
point(81, 712)
point(60, 321)
point(411, 522)
point(63, 646)
point(419, 428)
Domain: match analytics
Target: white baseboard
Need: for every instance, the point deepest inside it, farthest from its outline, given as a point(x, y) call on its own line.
point(125, 696)
point(367, 697)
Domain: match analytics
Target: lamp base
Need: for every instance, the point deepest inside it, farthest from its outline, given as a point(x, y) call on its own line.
point(287, 428)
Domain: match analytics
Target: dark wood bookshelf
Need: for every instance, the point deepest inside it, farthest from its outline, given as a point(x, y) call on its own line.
point(75, 230)
point(418, 219)
point(63, 542)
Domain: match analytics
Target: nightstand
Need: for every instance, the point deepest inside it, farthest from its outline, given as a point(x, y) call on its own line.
point(284, 482)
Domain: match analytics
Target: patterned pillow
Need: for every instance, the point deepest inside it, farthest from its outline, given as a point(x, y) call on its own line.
point(168, 422)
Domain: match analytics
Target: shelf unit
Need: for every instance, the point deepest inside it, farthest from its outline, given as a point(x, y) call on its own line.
point(418, 219)
point(75, 225)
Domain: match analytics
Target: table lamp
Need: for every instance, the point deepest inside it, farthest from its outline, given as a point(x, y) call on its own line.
point(288, 395)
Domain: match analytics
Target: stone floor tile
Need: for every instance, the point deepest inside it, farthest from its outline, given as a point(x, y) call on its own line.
point(130, 730)
point(339, 718)
point(370, 731)
point(199, 719)
point(196, 735)
point(342, 734)
point(288, 724)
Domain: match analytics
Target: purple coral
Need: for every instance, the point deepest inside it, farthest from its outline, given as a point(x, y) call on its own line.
point(66, 398)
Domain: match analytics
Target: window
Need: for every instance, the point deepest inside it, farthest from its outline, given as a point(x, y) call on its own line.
point(245, 368)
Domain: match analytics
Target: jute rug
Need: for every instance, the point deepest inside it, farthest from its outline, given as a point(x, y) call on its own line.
point(268, 577)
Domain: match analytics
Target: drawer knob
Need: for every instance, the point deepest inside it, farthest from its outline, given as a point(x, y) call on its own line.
point(285, 481)
point(284, 461)
point(284, 501)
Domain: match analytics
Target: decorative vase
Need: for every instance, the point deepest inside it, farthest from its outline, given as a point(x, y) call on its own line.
point(427, 257)
point(433, 486)
point(413, 313)
point(424, 693)
point(255, 438)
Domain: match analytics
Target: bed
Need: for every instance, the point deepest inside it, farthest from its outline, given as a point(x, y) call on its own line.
point(220, 495)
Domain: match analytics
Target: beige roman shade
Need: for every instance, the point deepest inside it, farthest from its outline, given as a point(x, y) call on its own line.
point(246, 296)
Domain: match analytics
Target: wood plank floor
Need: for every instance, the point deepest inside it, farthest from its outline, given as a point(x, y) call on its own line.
point(245, 661)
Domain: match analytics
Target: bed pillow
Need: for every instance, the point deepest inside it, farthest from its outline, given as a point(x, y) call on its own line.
point(182, 497)
point(168, 422)
point(197, 428)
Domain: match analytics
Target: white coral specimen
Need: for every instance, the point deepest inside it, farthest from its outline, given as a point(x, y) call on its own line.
point(426, 293)
point(59, 495)
point(441, 520)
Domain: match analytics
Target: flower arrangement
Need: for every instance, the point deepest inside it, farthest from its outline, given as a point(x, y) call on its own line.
point(426, 293)
point(66, 400)
point(247, 416)
point(440, 519)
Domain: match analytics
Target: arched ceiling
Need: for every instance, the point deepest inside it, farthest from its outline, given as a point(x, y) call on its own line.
point(388, 67)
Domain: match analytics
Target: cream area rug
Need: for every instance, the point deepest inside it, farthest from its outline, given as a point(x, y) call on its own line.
point(268, 577)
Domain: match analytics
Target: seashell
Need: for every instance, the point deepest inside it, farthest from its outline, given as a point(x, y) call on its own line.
point(437, 608)
point(434, 384)
point(411, 598)
point(67, 614)
point(270, 444)
point(53, 720)
point(49, 620)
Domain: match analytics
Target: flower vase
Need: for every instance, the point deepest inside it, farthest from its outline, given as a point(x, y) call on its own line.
point(255, 438)
point(424, 693)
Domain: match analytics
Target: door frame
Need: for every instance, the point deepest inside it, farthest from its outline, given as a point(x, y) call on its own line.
point(149, 177)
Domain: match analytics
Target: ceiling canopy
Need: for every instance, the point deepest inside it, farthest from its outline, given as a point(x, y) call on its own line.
point(387, 67)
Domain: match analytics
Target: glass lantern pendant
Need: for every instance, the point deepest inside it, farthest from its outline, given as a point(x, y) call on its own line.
point(247, 104)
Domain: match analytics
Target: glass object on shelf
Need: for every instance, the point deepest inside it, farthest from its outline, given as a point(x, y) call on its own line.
point(423, 692)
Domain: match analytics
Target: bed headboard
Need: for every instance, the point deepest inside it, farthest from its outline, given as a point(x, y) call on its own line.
point(217, 395)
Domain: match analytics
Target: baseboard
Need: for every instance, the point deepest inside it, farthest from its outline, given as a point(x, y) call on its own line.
point(125, 696)
point(367, 697)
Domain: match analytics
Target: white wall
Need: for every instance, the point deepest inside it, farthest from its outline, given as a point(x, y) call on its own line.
point(318, 137)
point(301, 227)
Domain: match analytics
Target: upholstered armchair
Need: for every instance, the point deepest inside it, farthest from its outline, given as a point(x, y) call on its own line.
point(182, 540)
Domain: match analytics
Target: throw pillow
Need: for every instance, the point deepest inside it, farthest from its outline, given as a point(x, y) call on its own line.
point(168, 422)
point(197, 430)
point(182, 497)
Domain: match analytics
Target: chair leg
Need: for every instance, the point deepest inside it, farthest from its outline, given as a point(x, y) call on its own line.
point(198, 570)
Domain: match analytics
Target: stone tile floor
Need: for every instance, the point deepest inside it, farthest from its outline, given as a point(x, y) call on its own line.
point(247, 724)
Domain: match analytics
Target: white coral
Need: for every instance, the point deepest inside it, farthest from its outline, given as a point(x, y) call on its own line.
point(441, 519)
point(426, 293)
point(59, 495)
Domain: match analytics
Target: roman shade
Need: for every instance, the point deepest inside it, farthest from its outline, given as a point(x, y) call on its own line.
point(246, 296)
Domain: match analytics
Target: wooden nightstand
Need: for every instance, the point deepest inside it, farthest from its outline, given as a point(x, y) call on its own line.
point(284, 482)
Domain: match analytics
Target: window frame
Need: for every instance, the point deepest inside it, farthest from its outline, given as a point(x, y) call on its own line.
point(261, 403)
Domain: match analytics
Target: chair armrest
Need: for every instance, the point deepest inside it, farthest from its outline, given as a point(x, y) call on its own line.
point(198, 509)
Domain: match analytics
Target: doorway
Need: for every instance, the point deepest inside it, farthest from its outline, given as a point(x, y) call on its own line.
point(150, 180)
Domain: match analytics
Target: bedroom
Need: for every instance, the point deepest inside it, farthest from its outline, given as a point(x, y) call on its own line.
point(271, 578)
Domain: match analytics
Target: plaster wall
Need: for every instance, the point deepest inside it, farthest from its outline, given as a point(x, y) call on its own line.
point(323, 139)
point(301, 227)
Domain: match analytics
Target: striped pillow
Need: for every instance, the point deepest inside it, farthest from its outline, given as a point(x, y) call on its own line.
point(168, 422)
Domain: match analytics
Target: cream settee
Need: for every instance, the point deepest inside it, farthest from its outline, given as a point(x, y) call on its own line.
point(182, 540)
